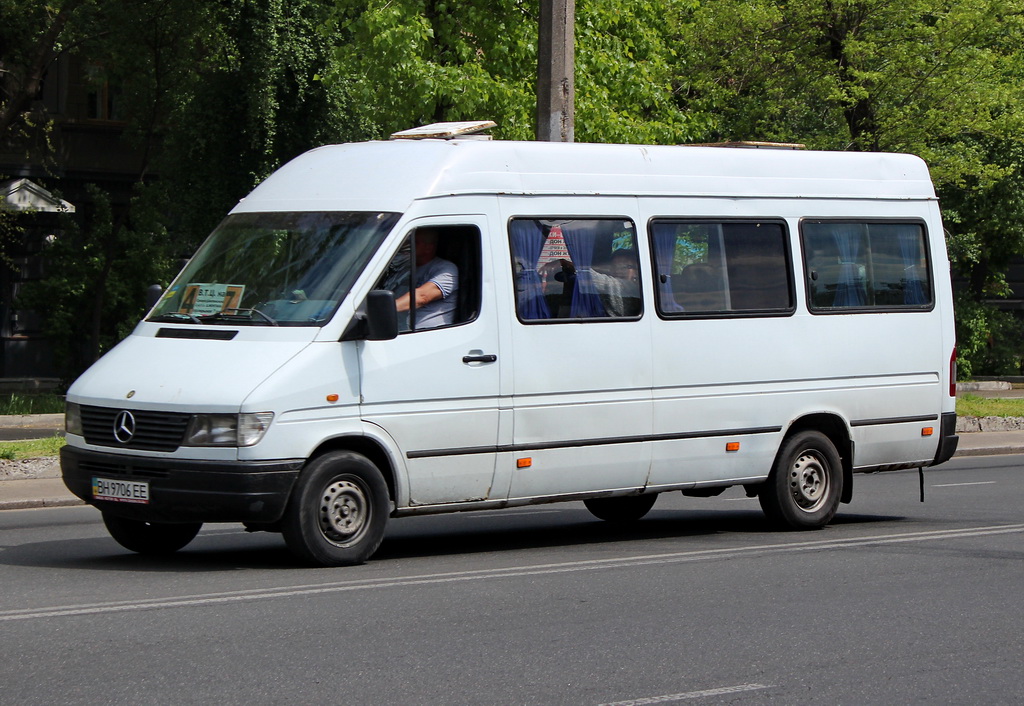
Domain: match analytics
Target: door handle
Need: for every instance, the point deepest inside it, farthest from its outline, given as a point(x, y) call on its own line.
point(480, 358)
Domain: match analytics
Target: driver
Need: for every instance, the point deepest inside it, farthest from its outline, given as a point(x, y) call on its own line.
point(437, 281)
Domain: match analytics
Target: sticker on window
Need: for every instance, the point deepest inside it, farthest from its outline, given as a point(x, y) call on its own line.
point(205, 299)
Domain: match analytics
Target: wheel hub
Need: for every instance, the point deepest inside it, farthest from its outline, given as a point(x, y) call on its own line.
point(808, 482)
point(344, 511)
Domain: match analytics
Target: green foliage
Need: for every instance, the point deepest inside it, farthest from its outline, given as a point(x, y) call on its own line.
point(976, 406)
point(625, 75)
point(12, 229)
point(412, 62)
point(860, 74)
point(938, 78)
point(254, 100)
point(34, 448)
point(989, 341)
point(985, 217)
point(97, 274)
point(31, 403)
point(217, 95)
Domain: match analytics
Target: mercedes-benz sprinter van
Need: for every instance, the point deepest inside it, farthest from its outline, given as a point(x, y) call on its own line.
point(443, 324)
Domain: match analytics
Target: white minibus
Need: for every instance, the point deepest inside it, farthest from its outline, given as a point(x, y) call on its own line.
point(444, 324)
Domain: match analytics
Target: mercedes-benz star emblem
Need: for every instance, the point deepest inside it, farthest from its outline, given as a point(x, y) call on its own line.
point(124, 426)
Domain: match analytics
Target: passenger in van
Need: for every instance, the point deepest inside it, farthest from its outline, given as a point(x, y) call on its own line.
point(437, 282)
point(624, 269)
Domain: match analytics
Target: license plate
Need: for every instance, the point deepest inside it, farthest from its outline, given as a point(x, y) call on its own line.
point(120, 491)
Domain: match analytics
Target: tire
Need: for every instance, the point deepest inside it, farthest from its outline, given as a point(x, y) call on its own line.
point(338, 510)
point(806, 483)
point(629, 508)
point(151, 538)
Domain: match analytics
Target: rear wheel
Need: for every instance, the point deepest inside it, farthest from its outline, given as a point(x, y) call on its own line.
point(150, 537)
point(629, 508)
point(806, 483)
point(338, 510)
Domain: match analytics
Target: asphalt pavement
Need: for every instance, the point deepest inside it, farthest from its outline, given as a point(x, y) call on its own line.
point(24, 493)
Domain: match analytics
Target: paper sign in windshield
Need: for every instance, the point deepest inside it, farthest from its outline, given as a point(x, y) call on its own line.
point(205, 299)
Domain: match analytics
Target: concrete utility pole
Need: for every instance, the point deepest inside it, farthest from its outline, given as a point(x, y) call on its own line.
point(556, 83)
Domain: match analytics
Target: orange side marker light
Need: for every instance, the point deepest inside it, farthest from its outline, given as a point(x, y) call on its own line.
point(927, 431)
point(732, 446)
point(524, 462)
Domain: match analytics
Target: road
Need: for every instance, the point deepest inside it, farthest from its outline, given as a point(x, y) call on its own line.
point(896, 602)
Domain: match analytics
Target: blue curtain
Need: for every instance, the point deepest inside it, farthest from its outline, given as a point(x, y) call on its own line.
point(850, 287)
point(527, 244)
point(910, 251)
point(664, 255)
point(586, 302)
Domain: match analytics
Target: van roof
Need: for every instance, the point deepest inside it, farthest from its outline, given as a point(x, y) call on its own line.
point(389, 176)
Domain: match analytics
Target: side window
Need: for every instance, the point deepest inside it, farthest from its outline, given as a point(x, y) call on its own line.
point(441, 266)
point(574, 268)
point(707, 268)
point(872, 265)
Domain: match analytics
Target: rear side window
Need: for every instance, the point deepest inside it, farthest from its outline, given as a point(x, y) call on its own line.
point(721, 268)
point(866, 266)
point(575, 269)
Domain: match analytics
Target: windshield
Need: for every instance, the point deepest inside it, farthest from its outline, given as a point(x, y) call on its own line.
point(286, 269)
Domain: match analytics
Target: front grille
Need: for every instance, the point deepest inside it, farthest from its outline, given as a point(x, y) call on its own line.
point(153, 431)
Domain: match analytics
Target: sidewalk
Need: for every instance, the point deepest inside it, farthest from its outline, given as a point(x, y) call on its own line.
point(18, 494)
point(23, 494)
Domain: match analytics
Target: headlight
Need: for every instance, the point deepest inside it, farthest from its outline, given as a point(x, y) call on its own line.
point(228, 429)
point(73, 418)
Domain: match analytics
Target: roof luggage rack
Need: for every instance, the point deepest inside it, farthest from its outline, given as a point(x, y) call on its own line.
point(747, 144)
point(447, 131)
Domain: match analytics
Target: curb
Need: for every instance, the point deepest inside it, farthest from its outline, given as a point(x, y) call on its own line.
point(31, 421)
point(971, 425)
point(979, 385)
point(35, 503)
point(989, 451)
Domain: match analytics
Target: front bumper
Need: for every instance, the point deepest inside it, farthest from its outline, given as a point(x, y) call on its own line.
point(186, 490)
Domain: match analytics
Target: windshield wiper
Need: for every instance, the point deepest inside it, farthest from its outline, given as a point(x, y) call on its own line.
point(175, 317)
point(236, 316)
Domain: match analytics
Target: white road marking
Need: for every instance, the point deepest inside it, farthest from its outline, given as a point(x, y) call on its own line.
point(668, 698)
point(497, 573)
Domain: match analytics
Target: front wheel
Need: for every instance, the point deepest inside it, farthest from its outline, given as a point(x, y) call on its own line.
point(151, 538)
point(338, 510)
point(629, 508)
point(806, 483)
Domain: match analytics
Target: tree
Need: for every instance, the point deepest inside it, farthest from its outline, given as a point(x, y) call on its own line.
point(215, 96)
point(412, 62)
point(254, 101)
point(420, 61)
point(889, 75)
point(938, 78)
point(31, 36)
point(626, 61)
point(98, 267)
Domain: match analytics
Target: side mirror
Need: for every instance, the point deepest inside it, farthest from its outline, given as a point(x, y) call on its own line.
point(376, 320)
point(153, 293)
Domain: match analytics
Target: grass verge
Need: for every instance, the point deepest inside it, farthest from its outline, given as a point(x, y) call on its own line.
point(974, 406)
point(34, 448)
point(35, 403)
